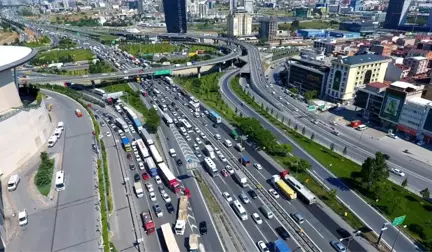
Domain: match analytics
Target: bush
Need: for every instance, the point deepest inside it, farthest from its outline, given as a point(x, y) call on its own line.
point(44, 174)
point(419, 230)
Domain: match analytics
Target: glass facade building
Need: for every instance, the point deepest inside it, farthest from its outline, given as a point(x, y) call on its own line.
point(175, 16)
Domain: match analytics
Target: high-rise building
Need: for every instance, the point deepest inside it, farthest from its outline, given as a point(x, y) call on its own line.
point(239, 23)
point(140, 6)
point(248, 6)
point(65, 4)
point(396, 13)
point(202, 9)
point(233, 5)
point(175, 16)
point(268, 28)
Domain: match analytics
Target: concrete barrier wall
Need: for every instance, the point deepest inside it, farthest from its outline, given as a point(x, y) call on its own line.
point(23, 136)
point(8, 92)
point(192, 71)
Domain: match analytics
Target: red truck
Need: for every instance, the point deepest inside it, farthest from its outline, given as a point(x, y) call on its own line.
point(355, 123)
point(149, 224)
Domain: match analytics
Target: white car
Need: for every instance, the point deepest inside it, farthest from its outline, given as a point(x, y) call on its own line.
point(274, 193)
point(158, 180)
point(229, 169)
point(152, 196)
point(136, 153)
point(138, 159)
point(149, 187)
point(197, 130)
point(257, 218)
point(227, 196)
point(100, 136)
point(217, 136)
point(202, 134)
point(22, 218)
point(216, 149)
point(196, 147)
point(257, 166)
point(397, 172)
point(262, 246)
point(141, 165)
point(223, 158)
point(166, 198)
point(108, 134)
point(198, 140)
point(188, 138)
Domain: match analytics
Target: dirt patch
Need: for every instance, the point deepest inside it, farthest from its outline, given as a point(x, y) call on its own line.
point(7, 37)
point(29, 32)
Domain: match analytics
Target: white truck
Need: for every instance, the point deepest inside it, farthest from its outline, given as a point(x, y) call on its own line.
point(138, 189)
point(209, 151)
point(241, 178)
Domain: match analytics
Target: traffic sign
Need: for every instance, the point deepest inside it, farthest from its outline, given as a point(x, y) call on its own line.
point(311, 108)
point(398, 220)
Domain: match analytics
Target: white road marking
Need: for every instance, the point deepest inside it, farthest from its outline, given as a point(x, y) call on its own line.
point(315, 229)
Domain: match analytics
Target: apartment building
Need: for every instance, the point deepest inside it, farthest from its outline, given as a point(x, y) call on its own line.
point(413, 117)
point(418, 64)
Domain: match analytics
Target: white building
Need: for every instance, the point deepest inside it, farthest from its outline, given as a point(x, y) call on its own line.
point(239, 24)
point(413, 116)
point(66, 4)
point(202, 9)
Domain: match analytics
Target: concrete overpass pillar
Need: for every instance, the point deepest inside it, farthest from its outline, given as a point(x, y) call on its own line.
point(201, 40)
point(220, 67)
point(232, 63)
point(15, 77)
point(199, 72)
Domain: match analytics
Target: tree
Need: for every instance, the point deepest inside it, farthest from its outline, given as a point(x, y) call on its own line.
point(196, 83)
point(396, 202)
point(153, 121)
point(332, 146)
point(163, 59)
point(405, 182)
point(262, 106)
point(374, 170)
point(382, 190)
point(294, 25)
point(425, 193)
point(283, 119)
point(304, 130)
point(303, 165)
point(310, 95)
point(312, 137)
point(271, 111)
point(345, 151)
point(293, 90)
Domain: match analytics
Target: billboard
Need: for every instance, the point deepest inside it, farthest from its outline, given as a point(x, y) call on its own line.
point(392, 105)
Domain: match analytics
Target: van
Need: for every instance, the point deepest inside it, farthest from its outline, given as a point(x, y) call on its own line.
point(60, 126)
point(52, 141)
point(227, 143)
point(239, 147)
point(172, 152)
point(13, 182)
point(267, 212)
point(361, 127)
point(58, 133)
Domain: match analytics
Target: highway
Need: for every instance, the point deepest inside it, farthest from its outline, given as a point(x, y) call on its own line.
point(356, 203)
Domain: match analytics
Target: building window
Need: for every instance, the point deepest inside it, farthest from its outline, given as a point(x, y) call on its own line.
point(337, 80)
point(367, 78)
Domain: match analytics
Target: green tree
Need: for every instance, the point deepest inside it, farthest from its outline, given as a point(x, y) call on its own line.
point(405, 182)
point(396, 202)
point(425, 193)
point(310, 95)
point(294, 25)
point(289, 122)
point(163, 59)
point(382, 190)
point(374, 170)
point(293, 90)
point(153, 121)
point(303, 166)
point(332, 146)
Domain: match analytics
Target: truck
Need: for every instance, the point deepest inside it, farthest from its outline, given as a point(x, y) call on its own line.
point(239, 147)
point(355, 123)
point(126, 144)
point(244, 161)
point(281, 246)
point(193, 243)
point(241, 178)
point(283, 187)
point(138, 189)
point(180, 225)
point(149, 225)
point(234, 135)
point(151, 166)
point(209, 151)
point(188, 63)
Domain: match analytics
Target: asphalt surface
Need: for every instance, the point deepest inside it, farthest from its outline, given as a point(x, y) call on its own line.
point(358, 205)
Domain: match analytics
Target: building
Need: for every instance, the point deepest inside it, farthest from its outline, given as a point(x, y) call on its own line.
point(397, 11)
point(397, 72)
point(233, 5)
point(202, 9)
point(307, 75)
point(361, 27)
point(65, 4)
point(302, 12)
point(329, 46)
point(239, 24)
point(175, 16)
point(342, 34)
point(384, 49)
point(268, 28)
point(311, 33)
point(248, 6)
point(417, 64)
point(356, 5)
point(140, 6)
point(405, 42)
point(394, 99)
point(353, 72)
point(370, 99)
point(413, 117)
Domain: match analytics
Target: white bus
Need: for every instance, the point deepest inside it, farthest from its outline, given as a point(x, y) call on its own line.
point(142, 149)
point(155, 153)
point(167, 118)
point(302, 192)
point(211, 166)
point(99, 91)
point(60, 180)
point(239, 209)
point(168, 235)
point(186, 124)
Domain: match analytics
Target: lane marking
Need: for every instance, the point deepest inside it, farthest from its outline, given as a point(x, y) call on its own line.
point(315, 229)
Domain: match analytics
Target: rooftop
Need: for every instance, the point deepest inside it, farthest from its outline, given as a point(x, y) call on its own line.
point(419, 58)
point(12, 56)
point(362, 59)
point(403, 67)
point(405, 85)
point(420, 101)
point(379, 85)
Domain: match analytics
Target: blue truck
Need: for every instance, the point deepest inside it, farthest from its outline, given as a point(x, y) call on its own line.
point(244, 161)
point(126, 144)
point(281, 246)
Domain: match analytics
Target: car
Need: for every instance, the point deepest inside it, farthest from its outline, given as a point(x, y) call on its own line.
point(224, 173)
point(198, 154)
point(158, 210)
point(198, 140)
point(257, 166)
point(222, 158)
point(22, 218)
point(149, 187)
point(158, 180)
point(227, 196)
point(397, 172)
point(108, 134)
point(145, 176)
point(136, 177)
point(274, 193)
point(132, 166)
point(420, 143)
point(196, 147)
point(136, 152)
point(344, 234)
point(298, 218)
point(257, 218)
point(202, 134)
point(244, 198)
point(217, 136)
point(141, 165)
point(336, 133)
point(170, 208)
point(282, 232)
point(338, 246)
point(203, 227)
point(262, 246)
point(152, 196)
point(206, 112)
point(179, 162)
point(253, 194)
point(217, 151)
point(229, 169)
point(166, 197)
point(333, 123)
point(197, 130)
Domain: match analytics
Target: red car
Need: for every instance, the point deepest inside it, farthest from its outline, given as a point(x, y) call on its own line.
point(224, 173)
point(145, 176)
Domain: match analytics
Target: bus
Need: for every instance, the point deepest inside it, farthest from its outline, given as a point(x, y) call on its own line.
point(133, 117)
point(167, 118)
point(302, 192)
point(99, 91)
point(121, 124)
point(142, 149)
point(155, 153)
point(186, 124)
point(146, 136)
point(60, 181)
point(156, 91)
point(239, 210)
point(211, 166)
point(168, 235)
point(169, 177)
point(215, 117)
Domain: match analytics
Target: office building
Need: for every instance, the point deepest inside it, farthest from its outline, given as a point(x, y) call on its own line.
point(328, 46)
point(370, 99)
point(413, 117)
point(417, 64)
point(66, 4)
point(268, 28)
point(233, 5)
point(302, 12)
point(396, 13)
point(239, 23)
point(384, 49)
point(356, 5)
point(202, 9)
point(397, 72)
point(362, 27)
point(140, 6)
point(175, 16)
point(350, 73)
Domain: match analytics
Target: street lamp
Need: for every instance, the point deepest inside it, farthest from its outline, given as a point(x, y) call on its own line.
point(349, 239)
point(394, 243)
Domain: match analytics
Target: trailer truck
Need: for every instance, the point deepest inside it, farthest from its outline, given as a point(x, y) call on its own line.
point(241, 178)
point(209, 151)
point(149, 224)
point(281, 246)
point(182, 215)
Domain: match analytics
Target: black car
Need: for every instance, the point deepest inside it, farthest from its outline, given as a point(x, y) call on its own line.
point(173, 104)
point(203, 227)
point(344, 233)
point(136, 177)
point(170, 207)
point(179, 162)
point(386, 156)
point(282, 232)
point(132, 166)
point(215, 125)
point(253, 194)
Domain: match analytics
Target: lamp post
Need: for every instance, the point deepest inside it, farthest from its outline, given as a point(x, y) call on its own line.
point(349, 239)
point(394, 243)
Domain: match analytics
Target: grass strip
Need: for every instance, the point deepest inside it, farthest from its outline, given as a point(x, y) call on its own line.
point(44, 174)
point(107, 181)
point(104, 215)
point(208, 195)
